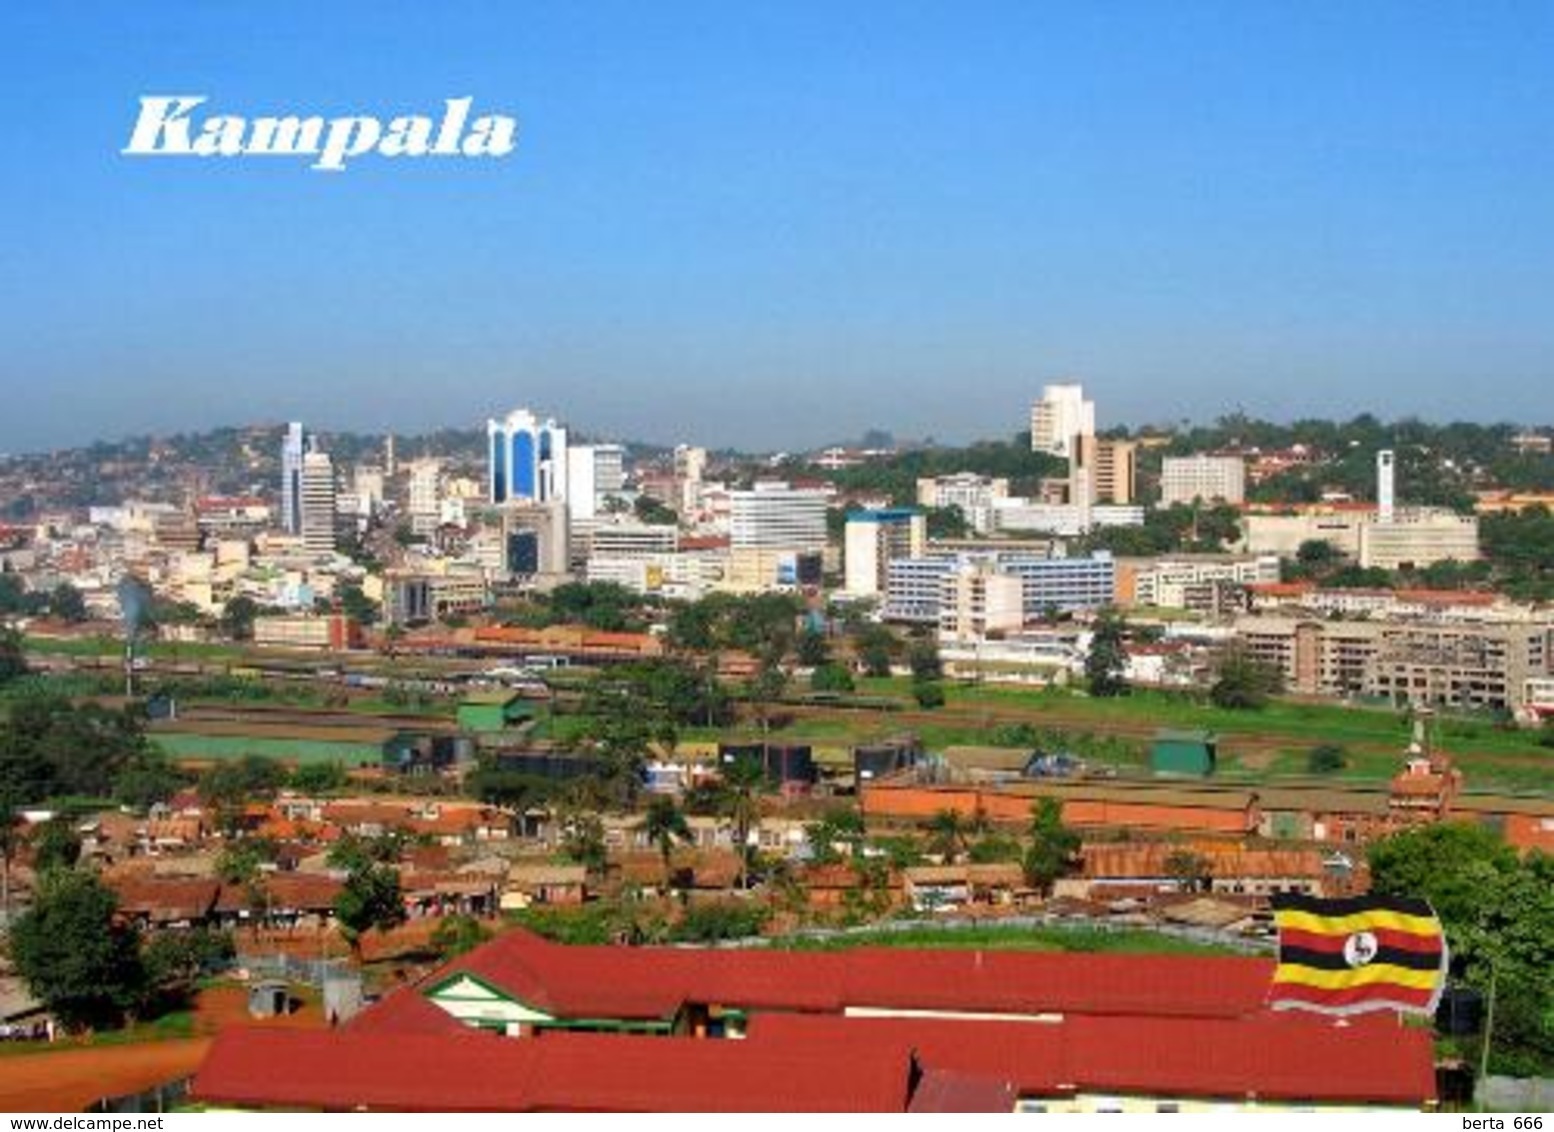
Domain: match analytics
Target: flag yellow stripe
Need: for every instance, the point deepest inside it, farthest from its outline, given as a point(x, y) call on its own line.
point(1356, 977)
point(1358, 922)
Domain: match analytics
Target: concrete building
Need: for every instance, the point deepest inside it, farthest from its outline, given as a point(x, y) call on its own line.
point(1186, 479)
point(1464, 666)
point(873, 539)
point(1204, 584)
point(1068, 520)
point(776, 516)
point(629, 540)
point(1102, 471)
point(536, 546)
point(293, 448)
point(975, 496)
point(1417, 537)
point(333, 632)
point(526, 459)
point(915, 586)
point(425, 497)
point(318, 503)
point(595, 472)
point(976, 601)
point(1061, 414)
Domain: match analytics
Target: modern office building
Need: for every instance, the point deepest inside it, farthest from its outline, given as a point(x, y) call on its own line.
point(1187, 479)
point(317, 495)
point(1060, 415)
point(1416, 537)
point(425, 497)
point(1200, 584)
point(1102, 471)
point(873, 539)
point(777, 516)
point(978, 600)
point(975, 496)
point(915, 587)
point(526, 459)
point(594, 473)
point(293, 448)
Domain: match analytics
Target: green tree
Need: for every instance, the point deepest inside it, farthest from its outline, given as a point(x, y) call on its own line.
point(947, 835)
point(1108, 656)
point(582, 839)
point(319, 778)
point(929, 694)
point(1053, 846)
point(1193, 872)
point(146, 778)
point(1326, 758)
point(740, 786)
point(1244, 683)
point(811, 649)
point(839, 825)
point(13, 659)
point(66, 603)
point(664, 824)
point(925, 661)
point(357, 605)
point(237, 618)
point(75, 954)
point(831, 677)
point(55, 845)
point(877, 648)
point(455, 935)
point(371, 900)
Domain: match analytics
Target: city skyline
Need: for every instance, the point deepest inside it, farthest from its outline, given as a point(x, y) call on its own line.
point(1302, 214)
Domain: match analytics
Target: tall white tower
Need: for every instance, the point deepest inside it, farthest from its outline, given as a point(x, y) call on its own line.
point(1385, 485)
point(1060, 415)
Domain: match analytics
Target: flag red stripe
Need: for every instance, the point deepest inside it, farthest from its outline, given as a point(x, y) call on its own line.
point(1386, 937)
point(1389, 992)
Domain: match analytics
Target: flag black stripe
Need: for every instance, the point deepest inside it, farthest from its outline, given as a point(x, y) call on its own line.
point(1350, 906)
point(1335, 961)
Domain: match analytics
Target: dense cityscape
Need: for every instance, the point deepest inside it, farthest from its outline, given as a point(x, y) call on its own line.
point(375, 718)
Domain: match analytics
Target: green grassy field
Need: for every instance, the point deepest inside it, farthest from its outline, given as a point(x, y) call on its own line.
point(183, 745)
point(1009, 938)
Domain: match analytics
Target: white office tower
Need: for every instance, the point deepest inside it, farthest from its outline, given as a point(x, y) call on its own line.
point(776, 516)
point(526, 459)
point(425, 497)
point(1386, 501)
point(874, 539)
point(1187, 479)
point(1060, 415)
point(368, 484)
point(594, 473)
point(317, 522)
point(690, 465)
point(292, 450)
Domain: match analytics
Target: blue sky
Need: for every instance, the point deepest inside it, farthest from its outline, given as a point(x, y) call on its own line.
point(774, 224)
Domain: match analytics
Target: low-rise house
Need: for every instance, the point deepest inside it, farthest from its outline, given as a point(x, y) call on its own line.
point(931, 888)
point(529, 884)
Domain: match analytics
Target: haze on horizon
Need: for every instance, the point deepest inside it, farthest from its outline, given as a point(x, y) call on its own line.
point(776, 226)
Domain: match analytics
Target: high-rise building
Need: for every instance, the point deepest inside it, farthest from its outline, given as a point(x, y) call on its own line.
point(778, 516)
point(293, 447)
point(425, 497)
point(1385, 485)
point(594, 473)
point(317, 493)
point(873, 539)
point(526, 459)
point(1185, 479)
point(1060, 415)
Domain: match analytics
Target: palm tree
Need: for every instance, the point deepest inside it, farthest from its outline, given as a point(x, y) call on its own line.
point(947, 833)
point(664, 824)
point(739, 800)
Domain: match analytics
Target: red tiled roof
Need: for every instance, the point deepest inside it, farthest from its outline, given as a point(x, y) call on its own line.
point(1272, 1056)
point(653, 982)
point(557, 1072)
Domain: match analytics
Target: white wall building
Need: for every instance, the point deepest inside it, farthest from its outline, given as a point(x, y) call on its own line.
point(873, 539)
point(1060, 415)
point(1184, 479)
point(778, 516)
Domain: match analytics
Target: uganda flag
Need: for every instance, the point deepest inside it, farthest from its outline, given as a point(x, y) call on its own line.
point(1355, 955)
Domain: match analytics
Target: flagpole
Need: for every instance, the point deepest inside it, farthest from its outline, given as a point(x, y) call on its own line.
point(1489, 1024)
